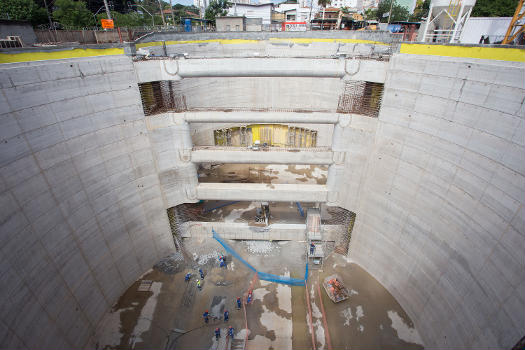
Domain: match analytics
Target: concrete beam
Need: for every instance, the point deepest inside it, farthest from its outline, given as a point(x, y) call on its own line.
point(262, 192)
point(258, 117)
point(242, 155)
point(258, 67)
point(169, 69)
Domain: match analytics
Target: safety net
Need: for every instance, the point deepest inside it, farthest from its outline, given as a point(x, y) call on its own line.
point(262, 275)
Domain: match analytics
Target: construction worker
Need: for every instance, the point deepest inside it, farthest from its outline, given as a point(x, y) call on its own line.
point(230, 332)
point(238, 303)
point(217, 333)
point(249, 297)
point(226, 316)
point(199, 285)
point(187, 277)
point(222, 262)
point(202, 273)
point(312, 248)
point(206, 316)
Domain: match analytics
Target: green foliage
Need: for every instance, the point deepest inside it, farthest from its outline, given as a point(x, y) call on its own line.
point(23, 10)
point(152, 6)
point(324, 3)
point(494, 8)
point(181, 11)
point(215, 9)
point(130, 19)
point(370, 14)
point(399, 13)
point(420, 11)
point(70, 13)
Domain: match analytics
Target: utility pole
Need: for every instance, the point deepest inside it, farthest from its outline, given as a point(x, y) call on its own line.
point(390, 13)
point(172, 15)
point(162, 13)
point(310, 17)
point(51, 25)
point(107, 9)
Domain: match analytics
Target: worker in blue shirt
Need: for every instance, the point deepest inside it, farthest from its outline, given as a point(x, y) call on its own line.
point(202, 273)
point(187, 277)
point(206, 316)
point(312, 248)
point(226, 316)
point(217, 333)
point(238, 303)
point(230, 332)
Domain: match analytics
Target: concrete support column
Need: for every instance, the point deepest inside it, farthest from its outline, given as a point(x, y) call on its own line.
point(335, 176)
point(336, 170)
point(190, 169)
point(339, 143)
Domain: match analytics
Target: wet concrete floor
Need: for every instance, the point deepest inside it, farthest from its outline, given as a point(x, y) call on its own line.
point(169, 314)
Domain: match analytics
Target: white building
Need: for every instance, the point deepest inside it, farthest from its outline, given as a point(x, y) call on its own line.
point(492, 27)
point(356, 5)
point(370, 4)
point(263, 11)
point(203, 4)
point(299, 14)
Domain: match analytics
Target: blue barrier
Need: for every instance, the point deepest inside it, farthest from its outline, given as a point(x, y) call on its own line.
point(300, 209)
point(219, 206)
point(262, 275)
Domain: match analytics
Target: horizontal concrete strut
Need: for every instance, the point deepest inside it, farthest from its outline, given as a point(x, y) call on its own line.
point(259, 117)
point(262, 192)
point(169, 69)
point(261, 67)
point(261, 157)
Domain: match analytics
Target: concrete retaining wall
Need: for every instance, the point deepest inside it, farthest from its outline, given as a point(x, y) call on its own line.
point(440, 216)
point(82, 214)
point(437, 182)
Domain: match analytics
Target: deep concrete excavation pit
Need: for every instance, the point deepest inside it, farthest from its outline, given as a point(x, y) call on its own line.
point(114, 169)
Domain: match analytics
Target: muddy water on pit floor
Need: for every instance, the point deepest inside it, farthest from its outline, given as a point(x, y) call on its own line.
point(371, 318)
point(261, 173)
point(365, 320)
point(310, 172)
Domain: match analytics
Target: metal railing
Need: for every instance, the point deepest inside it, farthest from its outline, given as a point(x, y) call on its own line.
point(268, 148)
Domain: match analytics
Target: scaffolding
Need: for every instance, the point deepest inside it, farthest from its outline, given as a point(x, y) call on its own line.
point(162, 96)
point(361, 97)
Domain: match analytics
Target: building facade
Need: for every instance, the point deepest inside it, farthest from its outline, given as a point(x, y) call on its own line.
point(230, 24)
point(263, 11)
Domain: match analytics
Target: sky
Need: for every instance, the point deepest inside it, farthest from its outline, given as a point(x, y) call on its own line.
point(190, 2)
point(183, 2)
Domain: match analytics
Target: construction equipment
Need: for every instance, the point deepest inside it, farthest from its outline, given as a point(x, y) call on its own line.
point(334, 287)
point(446, 19)
point(517, 24)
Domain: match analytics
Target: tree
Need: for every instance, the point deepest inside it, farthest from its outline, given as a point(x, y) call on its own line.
point(180, 11)
point(323, 4)
point(370, 14)
point(420, 11)
point(215, 9)
point(70, 13)
point(23, 10)
point(399, 13)
point(130, 19)
point(494, 8)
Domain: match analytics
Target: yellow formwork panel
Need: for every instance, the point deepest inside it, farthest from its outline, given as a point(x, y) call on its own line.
point(250, 41)
point(485, 53)
point(57, 55)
